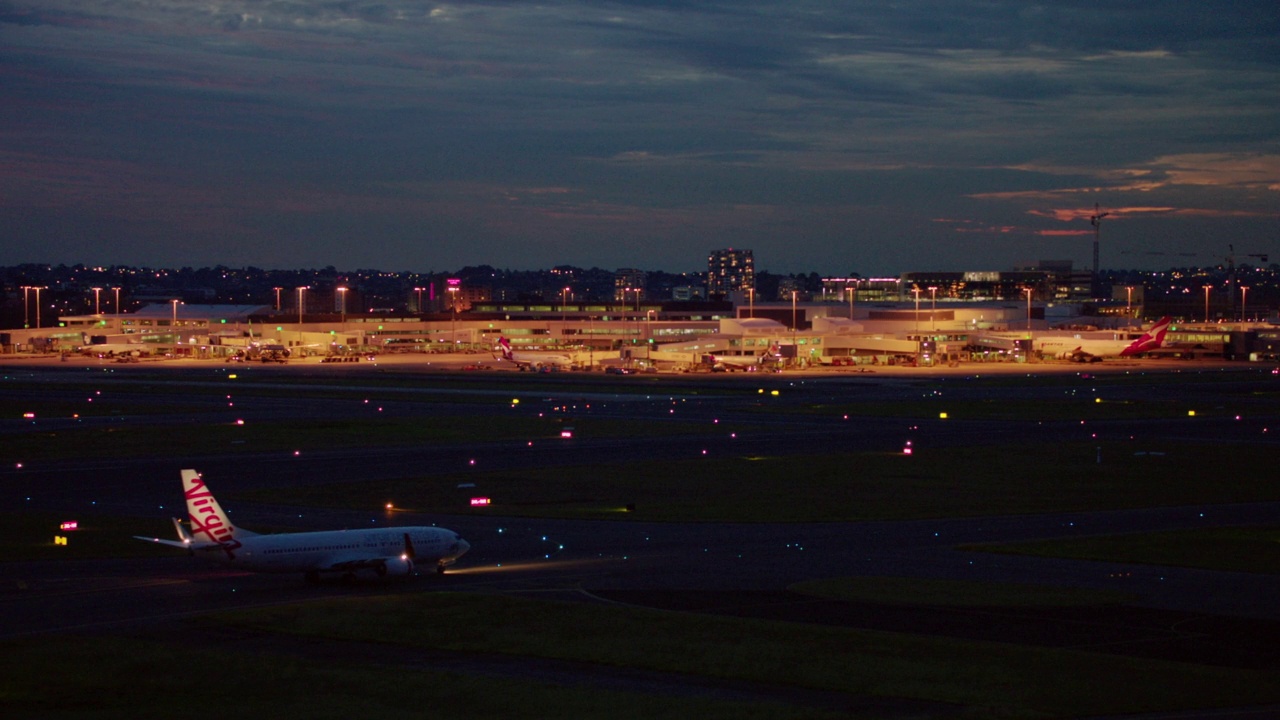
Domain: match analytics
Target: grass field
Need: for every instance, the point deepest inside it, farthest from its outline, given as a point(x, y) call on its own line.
point(374, 654)
point(941, 482)
point(290, 669)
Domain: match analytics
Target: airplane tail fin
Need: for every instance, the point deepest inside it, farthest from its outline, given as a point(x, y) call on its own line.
point(504, 347)
point(209, 523)
point(1151, 339)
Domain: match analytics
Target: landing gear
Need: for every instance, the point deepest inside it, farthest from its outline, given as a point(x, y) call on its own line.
point(440, 569)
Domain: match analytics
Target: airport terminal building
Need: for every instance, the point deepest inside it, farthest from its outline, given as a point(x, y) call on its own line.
point(670, 336)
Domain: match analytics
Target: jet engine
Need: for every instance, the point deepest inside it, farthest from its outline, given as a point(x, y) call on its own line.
point(396, 567)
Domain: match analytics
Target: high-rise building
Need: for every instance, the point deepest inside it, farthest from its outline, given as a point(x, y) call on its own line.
point(730, 270)
point(629, 285)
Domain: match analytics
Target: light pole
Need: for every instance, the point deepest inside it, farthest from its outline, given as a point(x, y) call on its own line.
point(850, 292)
point(277, 298)
point(1128, 305)
point(419, 291)
point(916, 292)
point(302, 303)
point(1207, 288)
point(933, 308)
point(795, 347)
point(751, 302)
point(97, 297)
point(453, 322)
point(174, 323)
point(1244, 293)
point(342, 293)
point(1028, 292)
point(117, 299)
point(564, 302)
point(26, 306)
point(37, 288)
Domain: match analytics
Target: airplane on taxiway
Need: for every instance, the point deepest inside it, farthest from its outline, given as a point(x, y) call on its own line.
point(382, 551)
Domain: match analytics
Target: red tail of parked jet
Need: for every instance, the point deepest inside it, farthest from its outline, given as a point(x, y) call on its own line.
point(1150, 340)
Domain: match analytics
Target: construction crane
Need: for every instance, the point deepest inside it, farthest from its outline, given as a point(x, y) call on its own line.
point(1096, 221)
point(1231, 277)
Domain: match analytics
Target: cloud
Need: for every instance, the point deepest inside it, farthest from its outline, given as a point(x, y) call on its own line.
point(554, 133)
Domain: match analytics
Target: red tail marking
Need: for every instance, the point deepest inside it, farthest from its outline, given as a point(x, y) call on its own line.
point(204, 518)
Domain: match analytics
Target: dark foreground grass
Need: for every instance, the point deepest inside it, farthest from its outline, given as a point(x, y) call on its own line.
point(67, 677)
point(1237, 549)
point(105, 677)
point(955, 593)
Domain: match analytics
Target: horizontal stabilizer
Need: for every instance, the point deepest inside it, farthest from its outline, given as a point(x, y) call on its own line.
point(184, 539)
point(171, 543)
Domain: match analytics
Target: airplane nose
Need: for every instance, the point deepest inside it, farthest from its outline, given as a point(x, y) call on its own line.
point(460, 548)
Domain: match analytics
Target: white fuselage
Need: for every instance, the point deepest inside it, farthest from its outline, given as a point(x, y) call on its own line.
point(1058, 344)
point(537, 359)
point(1100, 344)
point(337, 550)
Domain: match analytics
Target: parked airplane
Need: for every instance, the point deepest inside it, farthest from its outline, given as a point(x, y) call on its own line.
point(384, 551)
point(767, 360)
point(1085, 345)
point(1092, 347)
point(108, 350)
point(530, 360)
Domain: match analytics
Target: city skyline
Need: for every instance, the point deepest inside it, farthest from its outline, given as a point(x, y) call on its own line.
point(869, 139)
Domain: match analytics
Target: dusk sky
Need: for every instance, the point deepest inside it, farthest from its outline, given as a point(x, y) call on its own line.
point(834, 137)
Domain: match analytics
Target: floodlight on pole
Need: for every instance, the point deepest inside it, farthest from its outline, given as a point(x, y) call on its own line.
point(37, 288)
point(453, 324)
point(794, 344)
point(97, 300)
point(1207, 288)
point(916, 291)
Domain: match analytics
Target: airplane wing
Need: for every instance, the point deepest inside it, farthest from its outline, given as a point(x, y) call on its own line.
point(347, 562)
point(1082, 356)
point(351, 561)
